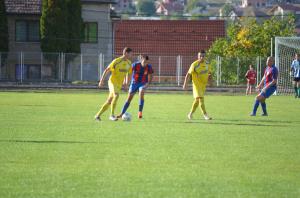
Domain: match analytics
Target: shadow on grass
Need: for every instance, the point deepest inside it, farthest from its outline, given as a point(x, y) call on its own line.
point(48, 142)
point(212, 122)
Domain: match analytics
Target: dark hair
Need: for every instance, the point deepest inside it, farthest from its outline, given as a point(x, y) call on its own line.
point(202, 52)
point(144, 56)
point(127, 50)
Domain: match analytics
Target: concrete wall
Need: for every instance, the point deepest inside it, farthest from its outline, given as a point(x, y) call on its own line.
point(99, 13)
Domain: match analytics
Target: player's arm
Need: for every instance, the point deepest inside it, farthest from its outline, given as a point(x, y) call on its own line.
point(186, 80)
point(126, 80)
point(103, 77)
point(150, 76)
point(259, 86)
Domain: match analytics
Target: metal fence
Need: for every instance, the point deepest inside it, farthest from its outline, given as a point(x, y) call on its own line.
point(25, 67)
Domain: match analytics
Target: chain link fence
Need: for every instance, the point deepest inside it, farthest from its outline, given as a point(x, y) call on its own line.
point(25, 67)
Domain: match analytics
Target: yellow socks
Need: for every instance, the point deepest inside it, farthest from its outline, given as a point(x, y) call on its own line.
point(103, 109)
point(195, 105)
point(114, 104)
point(202, 105)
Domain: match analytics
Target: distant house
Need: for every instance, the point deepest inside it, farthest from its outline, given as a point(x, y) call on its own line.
point(255, 3)
point(260, 14)
point(284, 9)
point(166, 7)
point(122, 5)
point(24, 36)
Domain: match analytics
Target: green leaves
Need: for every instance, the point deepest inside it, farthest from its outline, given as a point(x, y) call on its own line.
point(3, 28)
point(248, 38)
point(61, 26)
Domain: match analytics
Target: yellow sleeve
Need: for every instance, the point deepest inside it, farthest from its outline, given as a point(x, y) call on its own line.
point(130, 68)
point(192, 68)
point(113, 64)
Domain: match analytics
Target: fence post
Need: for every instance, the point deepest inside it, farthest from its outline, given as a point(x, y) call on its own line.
point(159, 68)
point(238, 71)
point(81, 77)
point(21, 67)
point(61, 65)
point(0, 65)
point(41, 65)
point(177, 69)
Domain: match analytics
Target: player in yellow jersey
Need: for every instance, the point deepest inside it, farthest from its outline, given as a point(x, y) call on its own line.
point(200, 72)
point(119, 69)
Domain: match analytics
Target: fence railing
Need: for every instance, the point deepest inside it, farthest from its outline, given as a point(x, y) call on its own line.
point(67, 67)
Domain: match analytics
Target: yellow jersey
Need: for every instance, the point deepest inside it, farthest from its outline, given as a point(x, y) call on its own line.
point(119, 67)
point(199, 72)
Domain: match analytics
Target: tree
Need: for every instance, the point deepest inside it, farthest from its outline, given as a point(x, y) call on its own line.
point(3, 28)
point(54, 26)
point(226, 9)
point(249, 38)
point(146, 7)
point(75, 26)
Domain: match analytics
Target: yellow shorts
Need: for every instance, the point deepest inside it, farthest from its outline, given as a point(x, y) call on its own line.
point(199, 91)
point(113, 89)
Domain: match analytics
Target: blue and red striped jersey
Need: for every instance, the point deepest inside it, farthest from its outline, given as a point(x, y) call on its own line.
point(140, 73)
point(271, 73)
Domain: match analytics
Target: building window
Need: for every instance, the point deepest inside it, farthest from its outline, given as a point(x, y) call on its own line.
point(27, 31)
point(90, 32)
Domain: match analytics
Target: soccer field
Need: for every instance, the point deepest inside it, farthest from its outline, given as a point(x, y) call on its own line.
point(50, 146)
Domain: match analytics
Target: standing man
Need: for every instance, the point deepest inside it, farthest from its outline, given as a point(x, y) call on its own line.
point(295, 72)
point(200, 72)
point(268, 86)
point(119, 69)
point(251, 79)
point(141, 78)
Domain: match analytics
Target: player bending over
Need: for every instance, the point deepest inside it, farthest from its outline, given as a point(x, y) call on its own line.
point(295, 71)
point(200, 71)
point(268, 86)
point(141, 78)
point(119, 68)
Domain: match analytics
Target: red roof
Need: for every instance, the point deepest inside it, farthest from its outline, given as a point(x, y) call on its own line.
point(167, 37)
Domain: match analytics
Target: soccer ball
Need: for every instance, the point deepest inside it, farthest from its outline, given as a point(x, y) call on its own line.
point(126, 117)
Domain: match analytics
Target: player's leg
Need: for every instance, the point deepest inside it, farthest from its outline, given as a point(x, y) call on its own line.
point(295, 87)
point(298, 86)
point(247, 89)
point(258, 98)
point(250, 89)
point(113, 106)
point(195, 104)
point(141, 101)
point(104, 107)
point(127, 104)
point(203, 109)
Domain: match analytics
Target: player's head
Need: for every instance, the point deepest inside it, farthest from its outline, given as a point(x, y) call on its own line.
point(297, 56)
point(144, 59)
point(250, 67)
point(201, 55)
point(270, 61)
point(127, 52)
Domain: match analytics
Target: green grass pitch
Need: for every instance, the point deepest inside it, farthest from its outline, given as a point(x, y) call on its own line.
point(50, 146)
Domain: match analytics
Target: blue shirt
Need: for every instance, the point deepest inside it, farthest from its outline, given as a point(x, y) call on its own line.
point(296, 68)
point(140, 73)
point(271, 73)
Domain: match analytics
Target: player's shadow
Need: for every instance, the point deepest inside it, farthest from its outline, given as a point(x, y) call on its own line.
point(263, 120)
point(214, 122)
point(48, 141)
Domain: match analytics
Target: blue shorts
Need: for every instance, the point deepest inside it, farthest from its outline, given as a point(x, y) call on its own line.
point(134, 87)
point(270, 91)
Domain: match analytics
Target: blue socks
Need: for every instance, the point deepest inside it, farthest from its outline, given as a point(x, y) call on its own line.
point(255, 106)
point(141, 105)
point(125, 107)
point(264, 108)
